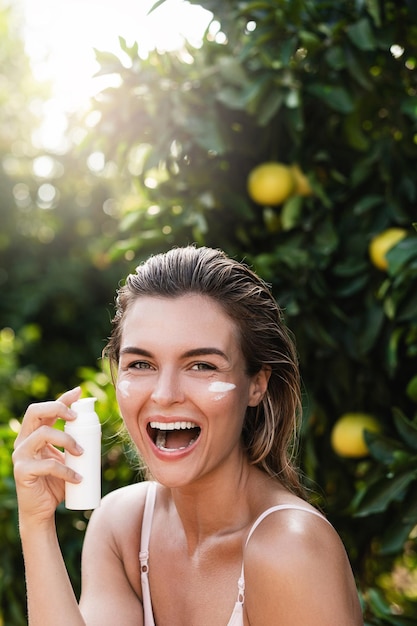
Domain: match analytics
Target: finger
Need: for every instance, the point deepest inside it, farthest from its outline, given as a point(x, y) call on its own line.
point(42, 413)
point(43, 439)
point(55, 453)
point(29, 472)
point(70, 396)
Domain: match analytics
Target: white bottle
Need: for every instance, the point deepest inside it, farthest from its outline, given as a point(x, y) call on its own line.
point(86, 431)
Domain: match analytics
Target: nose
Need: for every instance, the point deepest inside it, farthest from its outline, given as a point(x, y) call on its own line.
point(167, 390)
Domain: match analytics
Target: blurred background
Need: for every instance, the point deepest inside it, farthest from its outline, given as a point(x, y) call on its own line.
point(284, 132)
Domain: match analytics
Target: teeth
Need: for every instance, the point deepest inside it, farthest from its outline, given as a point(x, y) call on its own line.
point(172, 425)
point(162, 429)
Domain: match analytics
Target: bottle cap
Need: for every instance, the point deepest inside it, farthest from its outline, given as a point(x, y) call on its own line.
point(84, 408)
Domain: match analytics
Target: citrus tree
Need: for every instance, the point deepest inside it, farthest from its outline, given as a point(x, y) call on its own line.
point(323, 96)
point(289, 140)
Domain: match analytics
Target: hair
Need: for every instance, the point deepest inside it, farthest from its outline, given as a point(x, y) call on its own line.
point(270, 429)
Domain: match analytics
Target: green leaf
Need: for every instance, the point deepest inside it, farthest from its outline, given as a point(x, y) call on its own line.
point(131, 51)
point(409, 107)
point(256, 6)
point(309, 40)
point(320, 334)
point(361, 35)
point(336, 58)
point(397, 533)
point(379, 605)
point(381, 608)
point(109, 63)
point(394, 538)
point(382, 493)
point(374, 11)
point(401, 254)
point(207, 134)
point(372, 325)
point(254, 93)
point(411, 389)
point(350, 267)
point(231, 71)
point(292, 257)
point(349, 288)
point(156, 4)
point(337, 98)
point(270, 106)
point(354, 135)
point(326, 238)
point(381, 448)
point(392, 349)
point(406, 429)
point(291, 212)
point(231, 97)
point(407, 310)
point(367, 203)
point(357, 71)
point(288, 49)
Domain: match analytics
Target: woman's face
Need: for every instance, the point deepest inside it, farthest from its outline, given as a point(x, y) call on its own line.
point(182, 386)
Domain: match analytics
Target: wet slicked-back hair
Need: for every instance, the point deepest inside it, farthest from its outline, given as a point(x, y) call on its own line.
point(270, 429)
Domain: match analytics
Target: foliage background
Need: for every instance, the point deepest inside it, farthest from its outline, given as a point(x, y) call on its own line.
point(331, 86)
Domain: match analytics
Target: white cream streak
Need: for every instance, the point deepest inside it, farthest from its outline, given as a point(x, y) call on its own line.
point(221, 389)
point(123, 387)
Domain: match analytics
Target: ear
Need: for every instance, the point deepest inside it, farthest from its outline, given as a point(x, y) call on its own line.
point(258, 386)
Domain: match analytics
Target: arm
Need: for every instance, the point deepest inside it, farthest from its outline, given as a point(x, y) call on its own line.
point(40, 475)
point(298, 574)
point(111, 586)
point(49, 590)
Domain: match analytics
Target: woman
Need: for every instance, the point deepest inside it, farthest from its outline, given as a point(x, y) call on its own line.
point(208, 387)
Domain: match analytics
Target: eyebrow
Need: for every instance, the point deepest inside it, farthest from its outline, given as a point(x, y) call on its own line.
point(189, 353)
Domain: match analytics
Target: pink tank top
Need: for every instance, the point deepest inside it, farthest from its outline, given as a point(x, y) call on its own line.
point(236, 618)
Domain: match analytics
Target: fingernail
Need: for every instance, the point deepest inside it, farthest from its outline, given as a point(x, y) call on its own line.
point(78, 477)
point(79, 448)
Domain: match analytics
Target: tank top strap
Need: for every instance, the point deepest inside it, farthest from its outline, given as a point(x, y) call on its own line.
point(272, 509)
point(281, 507)
point(144, 553)
point(147, 525)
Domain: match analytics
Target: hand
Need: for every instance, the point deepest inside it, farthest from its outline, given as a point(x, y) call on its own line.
point(39, 466)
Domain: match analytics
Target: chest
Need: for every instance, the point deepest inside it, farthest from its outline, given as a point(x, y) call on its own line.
point(195, 589)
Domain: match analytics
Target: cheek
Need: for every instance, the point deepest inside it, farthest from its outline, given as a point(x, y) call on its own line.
point(128, 397)
point(219, 390)
point(123, 389)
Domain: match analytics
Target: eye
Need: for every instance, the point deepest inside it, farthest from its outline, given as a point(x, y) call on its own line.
point(138, 365)
point(202, 367)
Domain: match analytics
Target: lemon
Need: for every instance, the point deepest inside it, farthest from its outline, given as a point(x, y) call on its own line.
point(301, 182)
point(270, 183)
point(347, 437)
point(382, 243)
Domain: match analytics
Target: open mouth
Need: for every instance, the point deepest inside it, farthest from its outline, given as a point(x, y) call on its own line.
point(173, 435)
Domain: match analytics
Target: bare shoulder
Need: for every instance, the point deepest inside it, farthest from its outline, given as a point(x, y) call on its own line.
point(111, 513)
point(116, 525)
point(297, 573)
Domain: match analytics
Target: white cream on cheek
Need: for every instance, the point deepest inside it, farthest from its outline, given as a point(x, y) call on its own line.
point(123, 388)
point(220, 388)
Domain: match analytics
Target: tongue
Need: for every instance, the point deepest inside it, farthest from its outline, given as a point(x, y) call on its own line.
point(180, 438)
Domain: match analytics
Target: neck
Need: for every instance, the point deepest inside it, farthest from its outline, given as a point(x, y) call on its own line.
point(213, 508)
